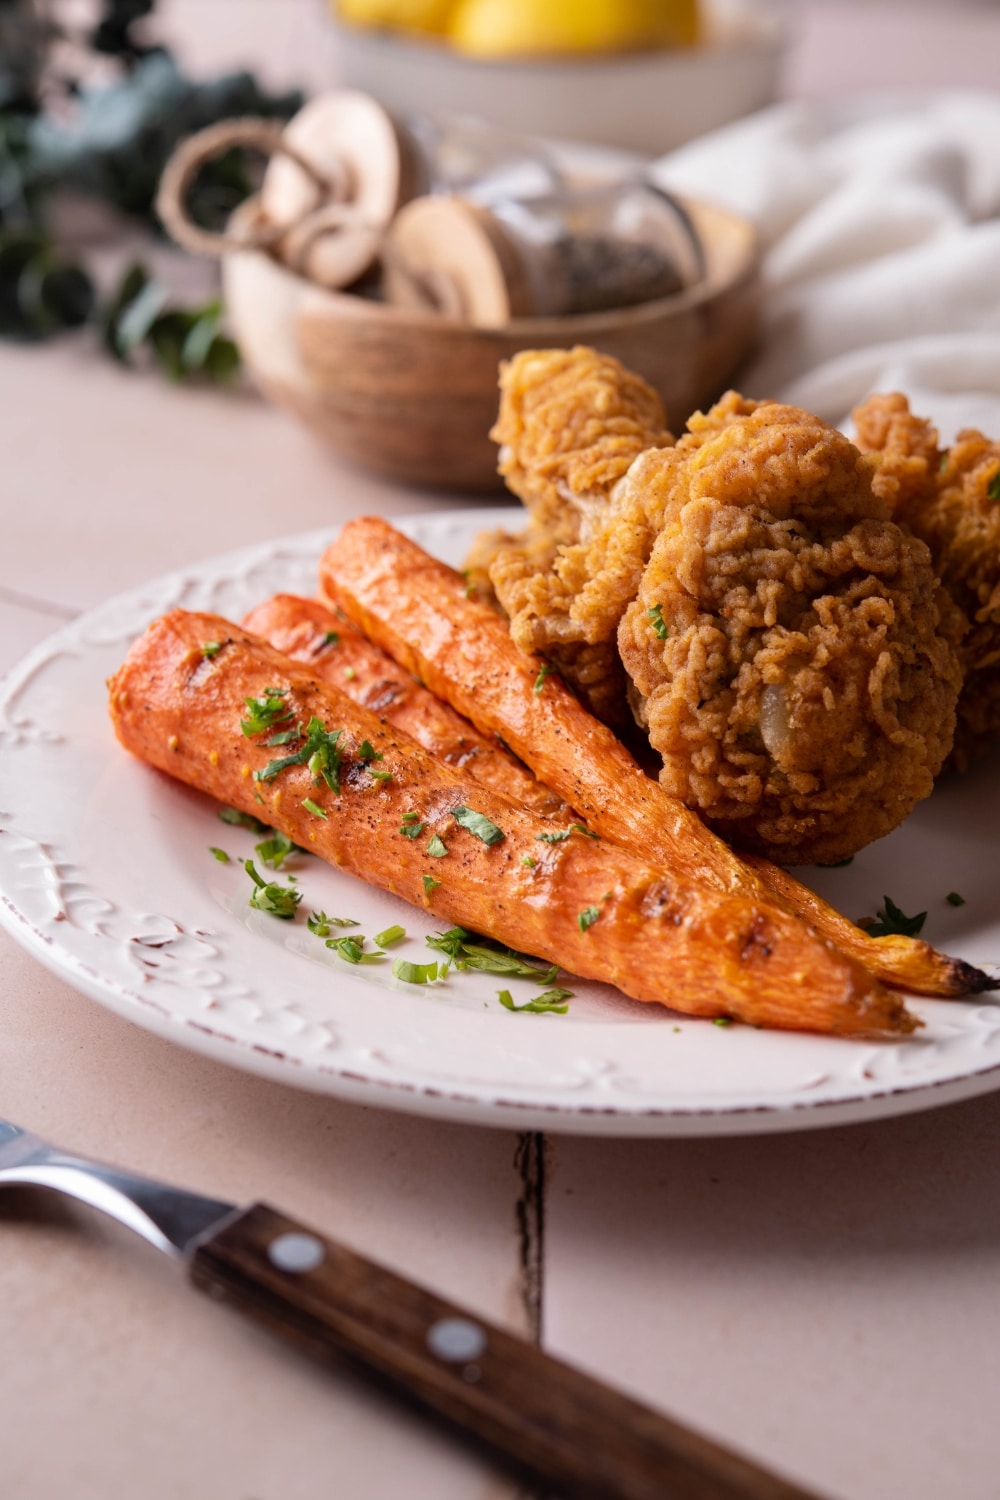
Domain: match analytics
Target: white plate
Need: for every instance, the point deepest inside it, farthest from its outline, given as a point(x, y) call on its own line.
point(106, 877)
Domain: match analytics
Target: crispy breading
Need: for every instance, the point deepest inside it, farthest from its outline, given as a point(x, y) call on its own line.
point(951, 499)
point(792, 648)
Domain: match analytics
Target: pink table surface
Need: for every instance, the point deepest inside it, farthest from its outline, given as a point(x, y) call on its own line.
point(828, 1302)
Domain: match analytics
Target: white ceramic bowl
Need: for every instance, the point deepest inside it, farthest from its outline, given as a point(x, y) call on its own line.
point(640, 101)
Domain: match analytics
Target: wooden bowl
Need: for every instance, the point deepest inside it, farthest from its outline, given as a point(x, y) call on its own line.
point(413, 395)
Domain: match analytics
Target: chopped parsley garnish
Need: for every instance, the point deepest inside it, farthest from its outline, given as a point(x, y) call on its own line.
point(430, 884)
point(944, 462)
point(659, 624)
point(546, 671)
point(367, 751)
point(993, 488)
point(266, 712)
point(550, 1002)
point(284, 738)
point(954, 899)
point(275, 850)
point(390, 935)
point(526, 859)
point(478, 824)
point(237, 819)
point(221, 855)
point(412, 830)
point(314, 808)
point(437, 848)
point(382, 776)
point(321, 752)
point(588, 917)
point(557, 838)
point(350, 673)
point(411, 817)
point(331, 638)
point(488, 957)
point(276, 900)
point(351, 949)
point(319, 923)
point(211, 648)
point(722, 1020)
point(890, 921)
point(414, 973)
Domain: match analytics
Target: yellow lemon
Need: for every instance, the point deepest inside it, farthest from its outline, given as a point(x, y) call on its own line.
point(505, 28)
point(399, 15)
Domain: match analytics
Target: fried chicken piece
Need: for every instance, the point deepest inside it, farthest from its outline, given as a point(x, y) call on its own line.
point(793, 651)
point(571, 424)
point(952, 501)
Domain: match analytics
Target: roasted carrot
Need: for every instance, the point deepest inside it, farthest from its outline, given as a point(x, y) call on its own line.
point(309, 631)
point(416, 609)
point(585, 904)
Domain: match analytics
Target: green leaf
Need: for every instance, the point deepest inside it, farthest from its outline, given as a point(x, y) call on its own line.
point(220, 854)
point(275, 849)
point(391, 935)
point(436, 847)
point(550, 1002)
point(319, 923)
point(237, 819)
point(265, 712)
point(890, 921)
point(430, 884)
point(314, 808)
point(412, 830)
point(488, 957)
point(351, 949)
point(277, 900)
point(993, 488)
point(546, 671)
point(478, 824)
point(211, 649)
point(136, 318)
point(558, 838)
point(655, 617)
point(411, 973)
point(588, 917)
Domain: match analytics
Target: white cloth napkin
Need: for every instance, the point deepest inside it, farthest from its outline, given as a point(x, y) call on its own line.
point(880, 221)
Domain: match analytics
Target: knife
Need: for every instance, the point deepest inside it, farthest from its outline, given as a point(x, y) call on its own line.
point(549, 1422)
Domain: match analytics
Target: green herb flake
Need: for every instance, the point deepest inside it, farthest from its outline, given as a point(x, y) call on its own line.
point(319, 923)
point(943, 464)
point(412, 830)
point(588, 917)
point(266, 712)
point(219, 854)
point(993, 488)
point(211, 648)
point(722, 1020)
point(237, 819)
point(330, 638)
point(314, 808)
point(528, 862)
point(276, 900)
point(485, 956)
point(659, 624)
point(954, 899)
point(889, 921)
point(321, 752)
point(437, 848)
point(546, 671)
point(411, 817)
point(430, 884)
point(367, 751)
point(382, 776)
point(391, 935)
point(275, 850)
point(478, 824)
point(550, 1002)
point(350, 673)
point(564, 833)
point(351, 949)
point(411, 973)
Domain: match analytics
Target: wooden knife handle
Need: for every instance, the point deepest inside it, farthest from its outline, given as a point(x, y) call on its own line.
point(548, 1420)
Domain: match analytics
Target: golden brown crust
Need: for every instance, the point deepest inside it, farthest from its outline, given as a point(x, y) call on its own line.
point(951, 500)
point(793, 648)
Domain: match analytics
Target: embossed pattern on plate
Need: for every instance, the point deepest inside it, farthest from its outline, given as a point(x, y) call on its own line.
point(106, 876)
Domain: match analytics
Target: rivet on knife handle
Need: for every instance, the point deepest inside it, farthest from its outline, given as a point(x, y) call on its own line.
point(547, 1419)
